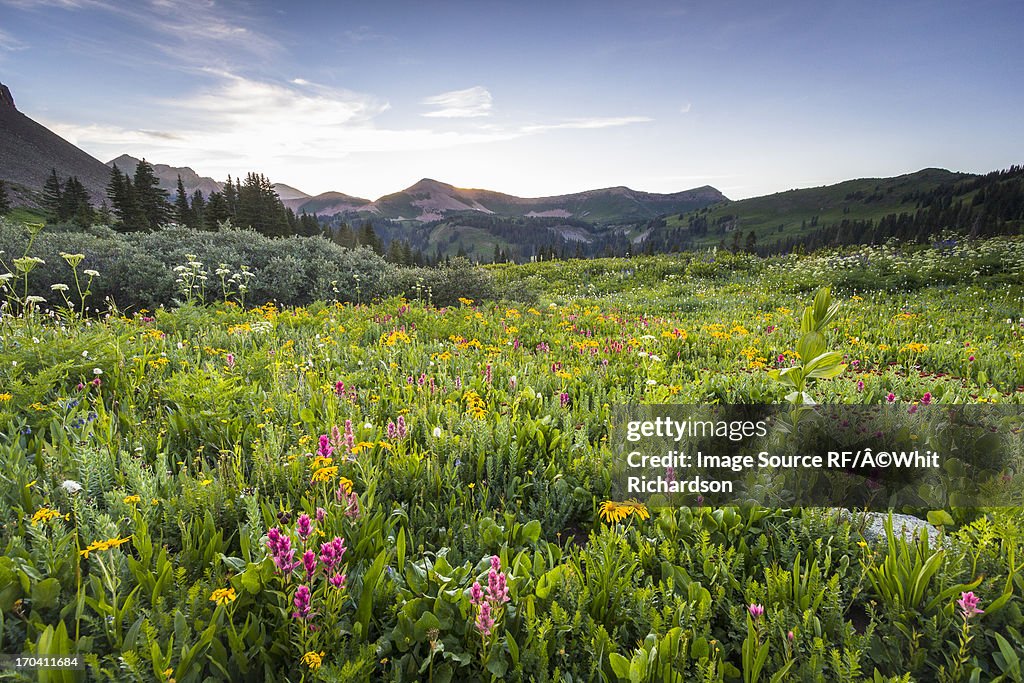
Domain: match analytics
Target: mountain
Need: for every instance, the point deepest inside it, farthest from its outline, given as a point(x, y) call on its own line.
point(168, 176)
point(909, 206)
point(431, 200)
point(29, 150)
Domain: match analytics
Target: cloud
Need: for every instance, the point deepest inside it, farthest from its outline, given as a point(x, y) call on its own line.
point(587, 123)
point(685, 109)
point(190, 32)
point(468, 103)
point(9, 43)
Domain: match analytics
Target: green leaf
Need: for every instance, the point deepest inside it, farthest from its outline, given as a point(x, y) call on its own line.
point(811, 345)
point(699, 649)
point(426, 622)
point(940, 518)
point(370, 581)
point(620, 665)
point(45, 593)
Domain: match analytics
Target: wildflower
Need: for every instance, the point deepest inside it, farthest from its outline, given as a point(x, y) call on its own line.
point(302, 601)
point(332, 552)
point(860, 385)
point(103, 546)
point(304, 526)
point(325, 450)
point(281, 551)
point(96, 382)
point(476, 594)
point(320, 514)
point(230, 359)
point(613, 512)
point(131, 500)
point(44, 515)
point(313, 659)
point(324, 474)
point(790, 636)
point(4, 398)
point(309, 562)
point(352, 506)
point(927, 398)
point(890, 398)
point(71, 486)
point(484, 620)
point(344, 489)
point(968, 603)
point(437, 431)
point(338, 580)
point(756, 611)
point(223, 596)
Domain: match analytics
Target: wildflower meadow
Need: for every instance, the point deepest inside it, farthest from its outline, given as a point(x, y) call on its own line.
point(410, 489)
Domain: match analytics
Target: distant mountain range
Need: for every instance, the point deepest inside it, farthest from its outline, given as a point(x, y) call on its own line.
point(440, 219)
point(29, 150)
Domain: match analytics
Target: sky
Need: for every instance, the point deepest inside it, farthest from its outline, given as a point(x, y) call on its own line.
point(528, 98)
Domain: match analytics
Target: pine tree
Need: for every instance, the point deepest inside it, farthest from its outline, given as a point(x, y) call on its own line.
point(74, 203)
point(216, 212)
point(230, 197)
point(150, 198)
point(368, 237)
point(5, 202)
point(198, 211)
point(52, 193)
point(182, 211)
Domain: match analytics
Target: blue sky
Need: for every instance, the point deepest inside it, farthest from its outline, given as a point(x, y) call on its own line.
point(529, 98)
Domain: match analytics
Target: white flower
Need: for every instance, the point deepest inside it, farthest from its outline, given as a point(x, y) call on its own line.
point(652, 381)
point(97, 371)
point(71, 486)
point(368, 426)
point(35, 300)
point(85, 354)
point(437, 432)
point(91, 273)
point(59, 287)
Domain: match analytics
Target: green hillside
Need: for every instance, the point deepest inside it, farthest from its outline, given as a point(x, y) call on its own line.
point(799, 213)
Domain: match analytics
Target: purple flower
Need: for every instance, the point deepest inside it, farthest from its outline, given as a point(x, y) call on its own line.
point(495, 563)
point(564, 397)
point(302, 601)
point(339, 388)
point(968, 603)
point(860, 385)
point(230, 358)
point(304, 526)
point(927, 398)
point(320, 514)
point(476, 594)
point(484, 620)
point(324, 450)
point(338, 580)
point(890, 398)
point(309, 562)
point(756, 611)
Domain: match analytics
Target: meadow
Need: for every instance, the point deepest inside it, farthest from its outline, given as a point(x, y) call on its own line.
point(404, 490)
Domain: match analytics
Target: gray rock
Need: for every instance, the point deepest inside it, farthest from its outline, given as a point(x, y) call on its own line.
point(907, 527)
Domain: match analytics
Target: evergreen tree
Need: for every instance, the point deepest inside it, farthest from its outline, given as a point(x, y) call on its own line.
point(182, 211)
point(230, 197)
point(751, 246)
point(5, 202)
point(52, 194)
point(216, 211)
point(150, 198)
point(368, 237)
point(198, 210)
point(74, 203)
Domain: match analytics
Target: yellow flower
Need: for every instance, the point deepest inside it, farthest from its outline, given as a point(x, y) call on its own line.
point(346, 483)
point(103, 546)
point(4, 398)
point(223, 596)
point(915, 347)
point(638, 509)
point(613, 512)
point(131, 500)
point(44, 515)
point(325, 474)
point(313, 659)
point(168, 672)
point(206, 482)
point(465, 302)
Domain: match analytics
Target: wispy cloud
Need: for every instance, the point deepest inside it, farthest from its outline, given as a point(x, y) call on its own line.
point(190, 33)
point(587, 123)
point(9, 43)
point(685, 109)
point(460, 104)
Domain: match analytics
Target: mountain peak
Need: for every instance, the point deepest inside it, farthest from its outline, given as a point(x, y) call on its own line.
point(427, 184)
point(6, 98)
